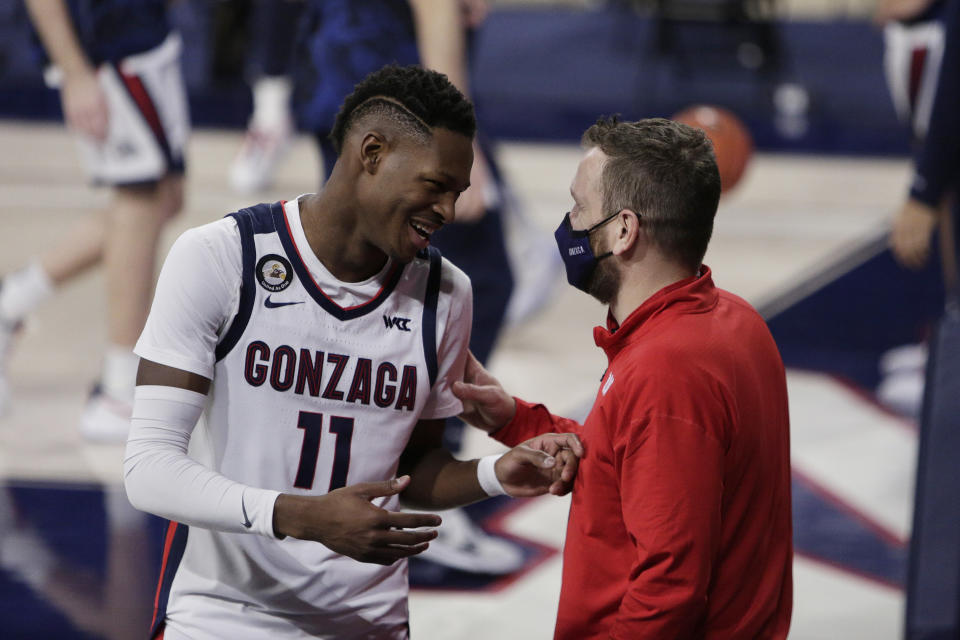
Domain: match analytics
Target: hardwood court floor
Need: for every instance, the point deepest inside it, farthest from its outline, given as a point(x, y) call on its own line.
point(789, 216)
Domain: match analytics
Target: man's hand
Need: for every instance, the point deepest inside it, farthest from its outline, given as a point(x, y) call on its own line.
point(545, 464)
point(345, 522)
point(912, 233)
point(485, 404)
point(84, 105)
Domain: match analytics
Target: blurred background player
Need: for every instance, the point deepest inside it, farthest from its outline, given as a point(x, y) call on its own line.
point(922, 78)
point(116, 64)
point(923, 65)
point(341, 42)
point(914, 39)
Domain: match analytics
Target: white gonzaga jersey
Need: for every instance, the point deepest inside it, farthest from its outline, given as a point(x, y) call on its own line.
point(309, 395)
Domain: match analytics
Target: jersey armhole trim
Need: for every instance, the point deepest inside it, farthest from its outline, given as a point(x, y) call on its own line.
point(247, 292)
point(430, 314)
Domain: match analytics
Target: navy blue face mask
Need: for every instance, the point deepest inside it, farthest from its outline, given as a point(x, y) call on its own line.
point(576, 252)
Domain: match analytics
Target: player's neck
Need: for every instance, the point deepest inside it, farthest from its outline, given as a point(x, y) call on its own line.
point(642, 281)
point(333, 234)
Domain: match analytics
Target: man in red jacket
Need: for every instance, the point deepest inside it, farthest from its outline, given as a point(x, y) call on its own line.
point(680, 521)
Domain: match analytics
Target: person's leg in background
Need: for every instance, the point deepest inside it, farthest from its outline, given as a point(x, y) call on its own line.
point(135, 223)
point(273, 29)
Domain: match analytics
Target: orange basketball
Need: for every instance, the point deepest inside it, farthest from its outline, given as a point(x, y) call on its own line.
point(731, 140)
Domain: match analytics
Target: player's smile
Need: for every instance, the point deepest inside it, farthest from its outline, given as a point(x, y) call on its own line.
point(422, 230)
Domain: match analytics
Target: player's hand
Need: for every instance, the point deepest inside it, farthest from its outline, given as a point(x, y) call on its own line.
point(912, 233)
point(346, 522)
point(84, 105)
point(568, 450)
point(545, 464)
point(472, 203)
point(485, 404)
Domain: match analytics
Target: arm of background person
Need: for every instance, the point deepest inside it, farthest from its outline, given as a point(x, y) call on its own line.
point(937, 161)
point(671, 484)
point(442, 44)
point(84, 105)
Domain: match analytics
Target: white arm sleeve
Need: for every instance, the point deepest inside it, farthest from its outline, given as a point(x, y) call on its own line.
point(161, 478)
point(197, 295)
point(454, 319)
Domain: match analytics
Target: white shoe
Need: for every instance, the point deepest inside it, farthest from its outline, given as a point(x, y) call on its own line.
point(106, 419)
point(260, 155)
point(903, 372)
point(462, 545)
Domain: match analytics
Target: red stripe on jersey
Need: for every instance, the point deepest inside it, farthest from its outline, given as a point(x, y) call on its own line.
point(319, 288)
point(167, 544)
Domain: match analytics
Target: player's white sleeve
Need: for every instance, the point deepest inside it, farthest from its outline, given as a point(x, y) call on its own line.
point(197, 295)
point(454, 319)
point(198, 292)
point(161, 478)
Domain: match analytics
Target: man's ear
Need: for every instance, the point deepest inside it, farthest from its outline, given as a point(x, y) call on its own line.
point(373, 146)
point(628, 232)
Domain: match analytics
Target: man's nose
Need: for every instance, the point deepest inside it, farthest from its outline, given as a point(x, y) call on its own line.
point(446, 206)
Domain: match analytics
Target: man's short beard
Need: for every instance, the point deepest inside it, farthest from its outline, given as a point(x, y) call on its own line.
point(605, 281)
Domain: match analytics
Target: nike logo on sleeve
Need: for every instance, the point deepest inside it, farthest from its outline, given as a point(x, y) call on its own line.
point(246, 520)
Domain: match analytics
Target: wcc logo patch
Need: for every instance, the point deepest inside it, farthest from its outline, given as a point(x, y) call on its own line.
point(396, 322)
point(274, 272)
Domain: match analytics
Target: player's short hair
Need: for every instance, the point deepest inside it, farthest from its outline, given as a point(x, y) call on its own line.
point(665, 171)
point(413, 98)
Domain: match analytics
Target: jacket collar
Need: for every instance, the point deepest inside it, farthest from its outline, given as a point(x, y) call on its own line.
point(690, 295)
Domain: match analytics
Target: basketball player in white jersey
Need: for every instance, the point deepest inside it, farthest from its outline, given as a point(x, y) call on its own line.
point(320, 336)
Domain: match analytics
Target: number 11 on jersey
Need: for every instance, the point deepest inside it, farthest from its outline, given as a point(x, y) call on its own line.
point(312, 425)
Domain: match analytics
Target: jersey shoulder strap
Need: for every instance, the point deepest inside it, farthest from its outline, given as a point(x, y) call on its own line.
point(251, 221)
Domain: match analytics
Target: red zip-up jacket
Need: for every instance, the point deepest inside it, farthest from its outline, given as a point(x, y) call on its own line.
point(680, 520)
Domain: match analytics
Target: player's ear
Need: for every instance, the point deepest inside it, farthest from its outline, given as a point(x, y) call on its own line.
point(373, 146)
point(628, 232)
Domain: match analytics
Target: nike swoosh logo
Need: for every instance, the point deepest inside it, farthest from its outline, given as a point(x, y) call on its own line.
point(246, 520)
point(270, 304)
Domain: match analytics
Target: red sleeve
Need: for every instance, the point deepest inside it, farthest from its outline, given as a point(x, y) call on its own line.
point(671, 481)
point(530, 421)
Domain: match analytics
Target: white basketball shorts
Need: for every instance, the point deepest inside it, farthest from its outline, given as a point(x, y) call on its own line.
point(148, 123)
point(912, 60)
